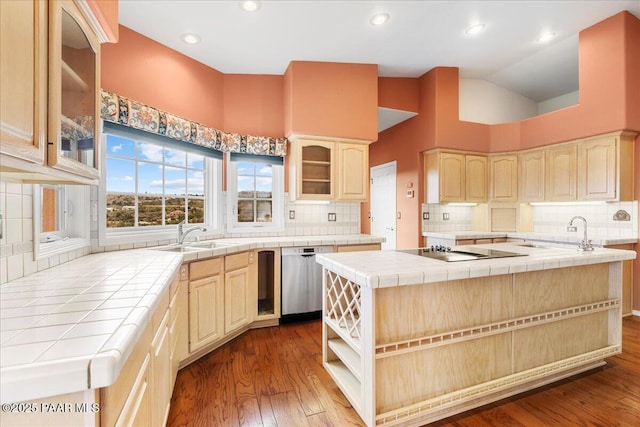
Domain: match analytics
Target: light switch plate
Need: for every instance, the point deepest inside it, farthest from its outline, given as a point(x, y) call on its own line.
point(332, 216)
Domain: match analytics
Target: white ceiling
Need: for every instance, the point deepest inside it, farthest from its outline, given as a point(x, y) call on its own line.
point(419, 36)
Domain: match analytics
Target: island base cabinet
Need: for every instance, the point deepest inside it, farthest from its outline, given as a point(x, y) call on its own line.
point(410, 355)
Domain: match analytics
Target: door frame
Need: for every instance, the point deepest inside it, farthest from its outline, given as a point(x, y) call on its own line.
point(389, 168)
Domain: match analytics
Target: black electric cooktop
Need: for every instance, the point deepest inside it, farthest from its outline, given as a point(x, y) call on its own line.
point(470, 254)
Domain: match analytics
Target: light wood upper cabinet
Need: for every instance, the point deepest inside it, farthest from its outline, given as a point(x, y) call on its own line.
point(605, 167)
point(49, 82)
point(503, 172)
point(531, 172)
point(475, 178)
point(328, 170)
point(353, 171)
point(452, 172)
point(560, 173)
point(311, 166)
point(455, 177)
point(23, 80)
point(74, 82)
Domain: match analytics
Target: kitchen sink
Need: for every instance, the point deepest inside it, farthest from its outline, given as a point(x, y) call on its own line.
point(179, 249)
point(212, 245)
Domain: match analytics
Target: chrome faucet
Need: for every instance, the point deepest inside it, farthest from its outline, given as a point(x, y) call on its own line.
point(183, 233)
point(585, 245)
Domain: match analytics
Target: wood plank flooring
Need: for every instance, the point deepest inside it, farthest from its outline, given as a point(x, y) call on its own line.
point(274, 377)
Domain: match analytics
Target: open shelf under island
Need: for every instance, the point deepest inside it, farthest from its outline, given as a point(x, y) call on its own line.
point(410, 340)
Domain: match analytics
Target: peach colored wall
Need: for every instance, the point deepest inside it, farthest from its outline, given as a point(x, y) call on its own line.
point(450, 132)
point(632, 53)
point(398, 93)
point(609, 100)
point(254, 104)
point(332, 99)
point(106, 12)
point(603, 66)
point(146, 71)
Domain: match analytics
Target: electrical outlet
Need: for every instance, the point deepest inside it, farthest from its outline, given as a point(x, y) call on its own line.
point(184, 275)
point(572, 228)
point(292, 214)
point(425, 216)
point(445, 216)
point(332, 216)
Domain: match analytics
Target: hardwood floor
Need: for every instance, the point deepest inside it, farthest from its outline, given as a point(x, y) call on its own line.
point(274, 377)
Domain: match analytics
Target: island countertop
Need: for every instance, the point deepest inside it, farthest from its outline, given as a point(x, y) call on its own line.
point(378, 269)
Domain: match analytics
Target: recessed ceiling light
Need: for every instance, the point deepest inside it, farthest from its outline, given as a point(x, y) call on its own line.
point(191, 38)
point(250, 5)
point(380, 18)
point(474, 29)
point(545, 37)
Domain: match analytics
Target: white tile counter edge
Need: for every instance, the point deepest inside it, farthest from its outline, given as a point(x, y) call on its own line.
point(32, 378)
point(380, 269)
point(542, 237)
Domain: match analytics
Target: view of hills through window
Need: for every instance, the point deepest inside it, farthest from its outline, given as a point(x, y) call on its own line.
point(152, 185)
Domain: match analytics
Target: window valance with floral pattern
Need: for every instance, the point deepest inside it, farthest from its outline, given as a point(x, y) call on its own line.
point(121, 110)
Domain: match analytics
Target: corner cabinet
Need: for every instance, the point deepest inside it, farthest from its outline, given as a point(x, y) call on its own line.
point(454, 177)
point(605, 167)
point(328, 170)
point(49, 121)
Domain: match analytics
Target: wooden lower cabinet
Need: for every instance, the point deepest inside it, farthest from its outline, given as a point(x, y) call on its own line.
point(161, 367)
point(219, 300)
point(236, 301)
point(141, 394)
point(358, 248)
point(206, 305)
point(627, 281)
point(423, 352)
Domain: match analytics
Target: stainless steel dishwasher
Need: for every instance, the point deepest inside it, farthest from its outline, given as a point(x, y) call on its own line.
point(301, 283)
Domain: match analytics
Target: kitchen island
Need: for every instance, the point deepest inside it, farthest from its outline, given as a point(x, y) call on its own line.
point(410, 340)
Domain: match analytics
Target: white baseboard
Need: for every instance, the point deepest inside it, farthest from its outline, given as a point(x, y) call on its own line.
point(636, 312)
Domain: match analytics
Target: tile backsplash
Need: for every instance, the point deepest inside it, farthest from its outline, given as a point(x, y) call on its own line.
point(600, 219)
point(459, 217)
point(16, 244)
point(552, 219)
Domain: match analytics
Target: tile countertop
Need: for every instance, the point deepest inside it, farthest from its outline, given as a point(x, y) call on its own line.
point(542, 237)
point(72, 327)
point(390, 268)
point(240, 244)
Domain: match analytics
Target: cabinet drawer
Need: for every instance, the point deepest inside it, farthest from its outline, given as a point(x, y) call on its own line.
point(235, 261)
point(206, 268)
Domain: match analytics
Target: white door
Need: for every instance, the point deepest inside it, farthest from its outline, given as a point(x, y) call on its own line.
point(383, 203)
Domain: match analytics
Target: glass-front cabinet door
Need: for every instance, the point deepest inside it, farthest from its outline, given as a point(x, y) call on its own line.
point(74, 53)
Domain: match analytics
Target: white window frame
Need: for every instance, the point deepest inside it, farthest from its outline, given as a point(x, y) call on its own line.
point(165, 234)
point(75, 201)
point(277, 200)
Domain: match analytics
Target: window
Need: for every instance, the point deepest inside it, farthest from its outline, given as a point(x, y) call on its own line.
point(153, 183)
point(255, 191)
point(53, 211)
point(61, 218)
